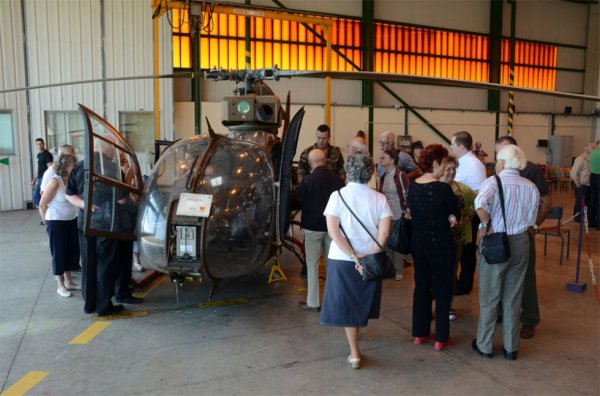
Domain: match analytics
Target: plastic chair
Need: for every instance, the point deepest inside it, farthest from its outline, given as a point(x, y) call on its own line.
point(551, 227)
point(565, 178)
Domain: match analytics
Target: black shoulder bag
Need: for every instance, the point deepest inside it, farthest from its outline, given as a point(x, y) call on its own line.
point(400, 234)
point(495, 247)
point(375, 266)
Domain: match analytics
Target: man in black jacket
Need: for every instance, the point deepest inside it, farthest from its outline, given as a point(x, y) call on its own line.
point(313, 193)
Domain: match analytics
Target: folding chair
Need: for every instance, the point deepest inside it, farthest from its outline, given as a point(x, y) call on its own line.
point(551, 227)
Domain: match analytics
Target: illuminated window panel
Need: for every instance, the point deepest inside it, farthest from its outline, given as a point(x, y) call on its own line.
point(535, 65)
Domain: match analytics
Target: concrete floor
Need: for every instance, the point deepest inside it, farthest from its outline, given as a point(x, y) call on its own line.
point(267, 346)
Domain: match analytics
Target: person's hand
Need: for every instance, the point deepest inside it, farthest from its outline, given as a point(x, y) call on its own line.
point(94, 207)
point(452, 220)
point(358, 266)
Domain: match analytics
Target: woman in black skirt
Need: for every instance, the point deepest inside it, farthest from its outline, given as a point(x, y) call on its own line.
point(349, 301)
point(434, 210)
point(60, 218)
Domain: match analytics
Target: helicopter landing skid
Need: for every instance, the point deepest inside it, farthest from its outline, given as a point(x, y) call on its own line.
point(276, 273)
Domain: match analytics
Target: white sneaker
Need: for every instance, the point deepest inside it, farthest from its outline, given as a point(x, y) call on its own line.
point(452, 315)
point(399, 277)
point(63, 292)
point(72, 286)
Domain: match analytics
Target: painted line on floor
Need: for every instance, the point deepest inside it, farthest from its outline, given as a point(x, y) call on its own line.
point(25, 384)
point(28, 217)
point(214, 304)
point(122, 315)
point(90, 333)
point(145, 291)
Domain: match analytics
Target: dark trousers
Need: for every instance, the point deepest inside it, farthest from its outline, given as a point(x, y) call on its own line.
point(468, 261)
point(64, 249)
point(123, 270)
point(98, 259)
point(581, 192)
point(594, 203)
point(433, 272)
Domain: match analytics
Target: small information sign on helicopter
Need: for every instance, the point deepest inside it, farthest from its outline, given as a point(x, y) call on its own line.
point(196, 205)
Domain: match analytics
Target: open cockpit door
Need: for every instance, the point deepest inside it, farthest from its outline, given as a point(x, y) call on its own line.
point(113, 181)
point(285, 181)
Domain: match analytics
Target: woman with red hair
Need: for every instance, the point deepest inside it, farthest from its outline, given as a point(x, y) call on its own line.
point(434, 210)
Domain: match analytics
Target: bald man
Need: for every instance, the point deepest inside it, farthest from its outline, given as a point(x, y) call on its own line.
point(406, 163)
point(313, 194)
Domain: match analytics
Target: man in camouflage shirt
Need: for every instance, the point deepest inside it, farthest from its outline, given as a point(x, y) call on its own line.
point(335, 160)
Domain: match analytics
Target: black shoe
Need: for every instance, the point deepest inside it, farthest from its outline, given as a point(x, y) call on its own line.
point(510, 355)
point(461, 292)
point(89, 311)
point(115, 309)
point(130, 300)
point(482, 354)
point(305, 307)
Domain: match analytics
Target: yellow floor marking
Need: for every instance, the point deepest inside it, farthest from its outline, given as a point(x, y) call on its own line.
point(25, 384)
point(90, 333)
point(145, 291)
point(123, 315)
point(214, 304)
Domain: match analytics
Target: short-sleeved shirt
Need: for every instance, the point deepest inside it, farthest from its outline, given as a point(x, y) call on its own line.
point(521, 202)
point(76, 186)
point(534, 174)
point(43, 159)
point(470, 171)
point(369, 205)
point(595, 161)
point(335, 160)
point(46, 178)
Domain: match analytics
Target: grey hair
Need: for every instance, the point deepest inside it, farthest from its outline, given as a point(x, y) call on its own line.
point(514, 158)
point(359, 167)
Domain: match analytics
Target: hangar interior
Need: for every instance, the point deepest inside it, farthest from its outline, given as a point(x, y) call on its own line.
point(252, 339)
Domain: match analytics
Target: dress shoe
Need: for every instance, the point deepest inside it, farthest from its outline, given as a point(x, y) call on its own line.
point(527, 331)
point(440, 346)
point(461, 292)
point(115, 309)
point(305, 307)
point(89, 311)
point(510, 355)
point(482, 354)
point(130, 300)
point(422, 340)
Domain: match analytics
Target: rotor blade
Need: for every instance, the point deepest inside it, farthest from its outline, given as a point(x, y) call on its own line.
point(412, 79)
point(98, 80)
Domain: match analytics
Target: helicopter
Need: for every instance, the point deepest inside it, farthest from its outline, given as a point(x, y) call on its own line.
point(215, 206)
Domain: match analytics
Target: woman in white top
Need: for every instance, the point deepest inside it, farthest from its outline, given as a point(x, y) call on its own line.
point(60, 218)
point(349, 301)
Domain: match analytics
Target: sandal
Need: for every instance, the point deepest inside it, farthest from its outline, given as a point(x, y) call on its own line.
point(354, 362)
point(72, 286)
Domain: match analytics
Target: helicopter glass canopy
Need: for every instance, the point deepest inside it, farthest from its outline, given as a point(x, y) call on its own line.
point(236, 237)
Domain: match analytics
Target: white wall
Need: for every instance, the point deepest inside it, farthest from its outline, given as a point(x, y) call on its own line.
point(14, 178)
point(65, 43)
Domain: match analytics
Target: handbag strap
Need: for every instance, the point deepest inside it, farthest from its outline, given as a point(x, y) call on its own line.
point(361, 223)
point(501, 193)
point(403, 191)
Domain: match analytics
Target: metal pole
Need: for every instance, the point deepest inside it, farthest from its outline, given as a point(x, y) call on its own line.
point(511, 82)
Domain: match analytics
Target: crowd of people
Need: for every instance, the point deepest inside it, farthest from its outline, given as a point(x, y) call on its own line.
point(349, 207)
point(451, 203)
point(106, 263)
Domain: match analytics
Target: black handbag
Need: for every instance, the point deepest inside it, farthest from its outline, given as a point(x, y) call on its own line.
point(399, 240)
point(375, 266)
point(495, 247)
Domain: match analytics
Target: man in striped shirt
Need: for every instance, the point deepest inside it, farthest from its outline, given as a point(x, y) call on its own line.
point(502, 284)
point(530, 313)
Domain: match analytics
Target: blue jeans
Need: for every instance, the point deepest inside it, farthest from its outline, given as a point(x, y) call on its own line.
point(37, 195)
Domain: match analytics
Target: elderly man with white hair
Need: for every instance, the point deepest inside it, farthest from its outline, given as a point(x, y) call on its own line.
point(503, 283)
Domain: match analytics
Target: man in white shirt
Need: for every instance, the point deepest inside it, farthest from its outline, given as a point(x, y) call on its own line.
point(471, 172)
point(580, 174)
